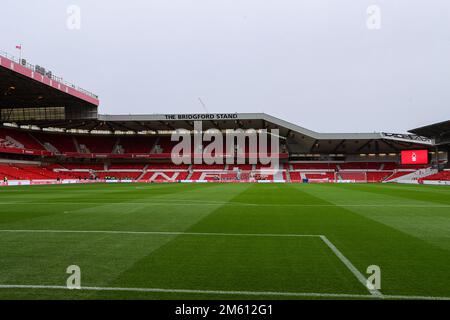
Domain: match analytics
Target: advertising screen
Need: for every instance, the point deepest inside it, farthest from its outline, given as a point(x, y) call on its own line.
point(415, 157)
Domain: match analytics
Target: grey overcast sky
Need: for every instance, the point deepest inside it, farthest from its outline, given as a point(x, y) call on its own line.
point(312, 62)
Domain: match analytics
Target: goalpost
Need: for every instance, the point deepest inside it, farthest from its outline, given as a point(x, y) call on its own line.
point(228, 177)
point(243, 176)
point(349, 176)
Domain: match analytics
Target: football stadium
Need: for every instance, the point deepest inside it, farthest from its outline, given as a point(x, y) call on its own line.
point(101, 197)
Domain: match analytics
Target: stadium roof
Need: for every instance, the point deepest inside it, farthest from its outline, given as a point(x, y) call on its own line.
point(241, 120)
point(25, 85)
point(440, 132)
point(300, 139)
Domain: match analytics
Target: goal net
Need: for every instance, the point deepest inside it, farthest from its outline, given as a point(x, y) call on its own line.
point(352, 176)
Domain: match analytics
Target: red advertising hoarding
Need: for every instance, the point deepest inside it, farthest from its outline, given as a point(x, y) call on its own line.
point(415, 157)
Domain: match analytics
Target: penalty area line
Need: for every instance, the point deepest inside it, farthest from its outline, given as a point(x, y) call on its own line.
point(224, 292)
point(350, 266)
point(164, 233)
point(359, 276)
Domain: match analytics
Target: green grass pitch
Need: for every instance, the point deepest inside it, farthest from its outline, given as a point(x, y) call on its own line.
point(224, 241)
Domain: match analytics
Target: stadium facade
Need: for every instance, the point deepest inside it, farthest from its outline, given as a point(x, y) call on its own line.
point(51, 131)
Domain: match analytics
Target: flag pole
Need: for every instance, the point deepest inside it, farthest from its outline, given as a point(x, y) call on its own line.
point(19, 47)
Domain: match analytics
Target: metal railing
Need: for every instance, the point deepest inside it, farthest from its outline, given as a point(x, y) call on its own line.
point(407, 137)
point(31, 67)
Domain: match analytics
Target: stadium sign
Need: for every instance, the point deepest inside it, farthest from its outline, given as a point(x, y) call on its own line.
point(202, 116)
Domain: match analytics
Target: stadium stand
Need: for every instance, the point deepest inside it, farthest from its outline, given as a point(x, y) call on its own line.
point(440, 176)
point(243, 167)
point(135, 144)
point(124, 167)
point(96, 144)
point(165, 172)
point(378, 176)
point(166, 176)
point(55, 143)
point(82, 166)
point(39, 141)
point(19, 139)
point(110, 175)
point(294, 171)
point(360, 165)
point(320, 177)
point(166, 166)
point(313, 166)
point(208, 167)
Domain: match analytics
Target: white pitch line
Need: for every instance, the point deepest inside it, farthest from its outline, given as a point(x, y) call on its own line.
point(359, 276)
point(168, 203)
point(350, 266)
point(164, 233)
point(224, 292)
point(193, 203)
point(218, 292)
point(404, 297)
point(171, 203)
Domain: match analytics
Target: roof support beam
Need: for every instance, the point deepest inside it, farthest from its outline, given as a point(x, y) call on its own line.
point(313, 146)
point(338, 146)
point(77, 125)
point(364, 145)
point(143, 126)
point(391, 145)
point(167, 124)
point(123, 126)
